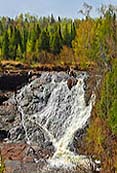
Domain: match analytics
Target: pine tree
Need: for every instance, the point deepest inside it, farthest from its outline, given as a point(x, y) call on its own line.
point(5, 45)
point(32, 40)
point(24, 41)
point(60, 33)
point(66, 35)
point(15, 41)
point(73, 32)
point(44, 43)
point(56, 43)
point(38, 31)
point(52, 20)
point(34, 36)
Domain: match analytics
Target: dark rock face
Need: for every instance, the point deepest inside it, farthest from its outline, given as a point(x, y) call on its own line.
point(78, 138)
point(3, 134)
point(71, 82)
point(3, 98)
point(92, 84)
point(9, 82)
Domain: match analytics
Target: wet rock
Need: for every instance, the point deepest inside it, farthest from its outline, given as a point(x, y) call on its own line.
point(9, 82)
point(13, 151)
point(21, 157)
point(39, 153)
point(17, 134)
point(72, 73)
point(10, 119)
point(92, 84)
point(3, 134)
point(78, 138)
point(71, 82)
point(8, 115)
point(3, 98)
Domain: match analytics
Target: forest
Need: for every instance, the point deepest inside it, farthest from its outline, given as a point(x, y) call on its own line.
point(66, 41)
point(62, 41)
point(34, 40)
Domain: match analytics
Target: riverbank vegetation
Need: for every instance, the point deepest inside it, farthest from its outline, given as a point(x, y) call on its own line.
point(47, 40)
point(101, 138)
point(2, 165)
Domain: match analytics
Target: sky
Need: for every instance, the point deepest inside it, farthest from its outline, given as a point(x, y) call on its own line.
point(62, 8)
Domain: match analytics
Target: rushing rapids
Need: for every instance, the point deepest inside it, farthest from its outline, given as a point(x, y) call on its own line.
point(50, 115)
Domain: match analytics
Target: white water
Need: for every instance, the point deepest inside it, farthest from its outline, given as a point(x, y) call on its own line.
point(61, 112)
point(80, 113)
point(22, 116)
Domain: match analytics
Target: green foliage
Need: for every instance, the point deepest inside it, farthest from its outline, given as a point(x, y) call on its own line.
point(83, 42)
point(113, 117)
point(44, 41)
point(108, 102)
point(102, 132)
point(26, 36)
point(73, 32)
point(66, 34)
point(2, 166)
point(56, 41)
point(5, 45)
point(14, 42)
point(96, 39)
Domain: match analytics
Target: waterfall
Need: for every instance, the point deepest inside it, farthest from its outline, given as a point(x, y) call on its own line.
point(50, 110)
point(22, 117)
point(80, 113)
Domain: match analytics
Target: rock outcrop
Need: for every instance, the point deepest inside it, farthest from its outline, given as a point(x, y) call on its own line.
point(71, 82)
point(10, 82)
point(19, 116)
point(3, 98)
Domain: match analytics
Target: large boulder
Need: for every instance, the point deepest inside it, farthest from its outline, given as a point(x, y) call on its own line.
point(71, 82)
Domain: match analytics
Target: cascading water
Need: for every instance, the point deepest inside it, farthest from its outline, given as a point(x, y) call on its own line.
point(50, 110)
point(20, 110)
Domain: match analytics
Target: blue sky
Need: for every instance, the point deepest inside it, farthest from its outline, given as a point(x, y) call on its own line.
point(63, 8)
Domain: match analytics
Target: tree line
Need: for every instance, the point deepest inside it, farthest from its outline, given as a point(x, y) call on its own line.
point(46, 39)
point(27, 36)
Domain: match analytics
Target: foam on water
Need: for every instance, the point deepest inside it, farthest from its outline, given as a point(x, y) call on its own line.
point(61, 112)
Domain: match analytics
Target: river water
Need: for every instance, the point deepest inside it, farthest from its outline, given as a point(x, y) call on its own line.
point(51, 113)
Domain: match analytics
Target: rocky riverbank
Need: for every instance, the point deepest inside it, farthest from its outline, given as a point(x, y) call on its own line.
point(9, 117)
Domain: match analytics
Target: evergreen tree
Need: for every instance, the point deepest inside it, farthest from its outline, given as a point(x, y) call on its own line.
point(52, 20)
point(56, 43)
point(32, 40)
point(34, 36)
point(59, 19)
point(5, 45)
point(66, 34)
point(15, 41)
point(60, 33)
point(38, 31)
point(73, 32)
point(24, 41)
point(44, 41)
